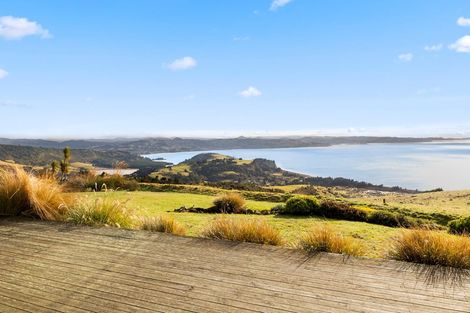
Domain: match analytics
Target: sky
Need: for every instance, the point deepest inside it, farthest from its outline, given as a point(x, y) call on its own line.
point(192, 68)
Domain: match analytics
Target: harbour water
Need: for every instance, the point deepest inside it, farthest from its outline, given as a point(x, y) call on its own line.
point(421, 166)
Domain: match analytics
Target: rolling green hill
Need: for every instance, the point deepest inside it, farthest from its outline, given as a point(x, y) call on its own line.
point(218, 168)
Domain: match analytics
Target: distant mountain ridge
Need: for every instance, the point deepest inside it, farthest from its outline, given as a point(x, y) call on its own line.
point(159, 145)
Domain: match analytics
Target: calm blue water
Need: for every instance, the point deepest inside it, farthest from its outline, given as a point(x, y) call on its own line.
point(416, 166)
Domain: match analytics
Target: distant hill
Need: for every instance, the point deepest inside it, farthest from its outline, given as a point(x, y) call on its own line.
point(44, 156)
point(156, 145)
point(222, 169)
point(218, 168)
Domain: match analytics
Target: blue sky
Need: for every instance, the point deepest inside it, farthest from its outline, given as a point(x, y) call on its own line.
point(234, 67)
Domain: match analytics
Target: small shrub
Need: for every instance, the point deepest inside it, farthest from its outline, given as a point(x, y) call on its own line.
point(308, 206)
point(325, 239)
point(245, 230)
point(303, 206)
point(391, 219)
point(101, 182)
point(162, 224)
point(341, 210)
point(100, 212)
point(460, 226)
point(22, 193)
point(230, 203)
point(431, 248)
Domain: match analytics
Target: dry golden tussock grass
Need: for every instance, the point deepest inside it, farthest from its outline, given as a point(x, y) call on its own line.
point(437, 255)
point(21, 193)
point(326, 239)
point(231, 202)
point(163, 224)
point(244, 230)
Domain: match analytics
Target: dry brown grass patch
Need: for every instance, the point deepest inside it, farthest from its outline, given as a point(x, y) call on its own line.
point(21, 193)
point(444, 256)
point(325, 239)
point(432, 248)
point(163, 224)
point(231, 202)
point(245, 230)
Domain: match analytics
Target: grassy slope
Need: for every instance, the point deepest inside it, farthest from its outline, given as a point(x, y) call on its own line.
point(450, 202)
point(375, 237)
point(455, 203)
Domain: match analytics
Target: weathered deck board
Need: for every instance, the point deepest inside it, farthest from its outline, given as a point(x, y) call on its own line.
point(51, 267)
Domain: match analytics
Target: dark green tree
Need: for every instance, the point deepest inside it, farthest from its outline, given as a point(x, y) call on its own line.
point(55, 167)
point(65, 163)
point(67, 154)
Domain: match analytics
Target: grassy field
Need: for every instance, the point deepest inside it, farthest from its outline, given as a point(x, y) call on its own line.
point(374, 237)
point(455, 203)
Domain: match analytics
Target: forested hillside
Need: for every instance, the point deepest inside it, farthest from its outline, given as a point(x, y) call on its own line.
point(44, 156)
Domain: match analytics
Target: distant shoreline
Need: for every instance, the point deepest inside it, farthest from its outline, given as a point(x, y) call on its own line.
point(325, 145)
point(141, 146)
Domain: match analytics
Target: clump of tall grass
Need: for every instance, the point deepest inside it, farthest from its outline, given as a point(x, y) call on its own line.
point(21, 193)
point(100, 212)
point(431, 248)
point(230, 203)
point(245, 230)
point(325, 239)
point(446, 255)
point(162, 224)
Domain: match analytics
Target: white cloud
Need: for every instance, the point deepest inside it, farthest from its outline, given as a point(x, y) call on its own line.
point(3, 73)
point(433, 48)
point(406, 57)
point(276, 4)
point(250, 92)
point(462, 21)
point(182, 64)
point(18, 27)
point(461, 45)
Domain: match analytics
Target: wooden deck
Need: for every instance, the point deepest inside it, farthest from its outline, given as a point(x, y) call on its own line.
point(49, 267)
